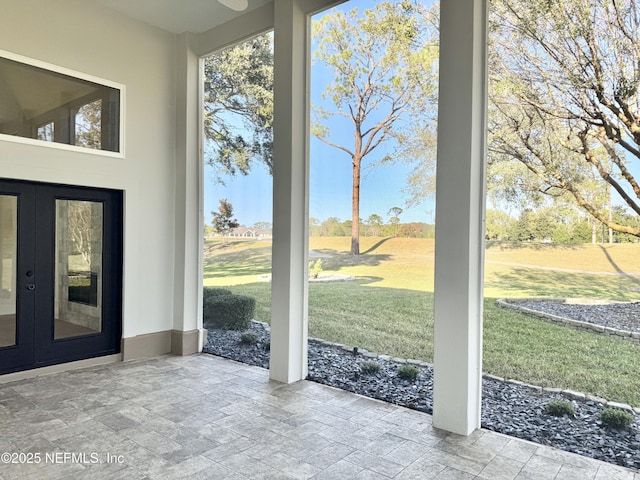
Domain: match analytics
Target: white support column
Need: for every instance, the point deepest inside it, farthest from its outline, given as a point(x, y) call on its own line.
point(289, 319)
point(460, 199)
point(187, 335)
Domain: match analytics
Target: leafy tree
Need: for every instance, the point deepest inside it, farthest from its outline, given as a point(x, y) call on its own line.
point(373, 224)
point(498, 225)
point(223, 221)
point(564, 100)
point(395, 218)
point(262, 225)
point(580, 231)
point(524, 228)
point(383, 65)
point(561, 234)
point(332, 227)
point(543, 227)
point(238, 106)
point(622, 215)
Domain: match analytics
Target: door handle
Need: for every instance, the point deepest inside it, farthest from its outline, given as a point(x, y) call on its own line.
point(31, 286)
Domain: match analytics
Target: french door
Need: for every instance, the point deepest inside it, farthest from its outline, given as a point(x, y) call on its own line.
point(60, 274)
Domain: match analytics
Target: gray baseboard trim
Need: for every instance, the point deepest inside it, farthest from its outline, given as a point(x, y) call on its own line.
point(175, 342)
point(186, 343)
point(146, 346)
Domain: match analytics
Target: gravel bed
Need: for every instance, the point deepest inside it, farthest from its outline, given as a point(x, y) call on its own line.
point(621, 316)
point(516, 410)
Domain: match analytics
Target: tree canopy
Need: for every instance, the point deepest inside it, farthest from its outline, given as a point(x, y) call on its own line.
point(564, 79)
point(223, 220)
point(394, 218)
point(238, 106)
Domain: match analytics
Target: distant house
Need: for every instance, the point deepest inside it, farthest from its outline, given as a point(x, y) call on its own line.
point(244, 232)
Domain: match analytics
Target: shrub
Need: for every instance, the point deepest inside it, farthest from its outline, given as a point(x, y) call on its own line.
point(315, 269)
point(558, 408)
point(211, 292)
point(227, 311)
point(369, 368)
point(408, 372)
point(614, 418)
point(249, 338)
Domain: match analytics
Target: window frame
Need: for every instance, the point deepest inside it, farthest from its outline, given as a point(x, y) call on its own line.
point(49, 118)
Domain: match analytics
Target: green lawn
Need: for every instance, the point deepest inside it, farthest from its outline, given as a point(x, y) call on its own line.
point(389, 308)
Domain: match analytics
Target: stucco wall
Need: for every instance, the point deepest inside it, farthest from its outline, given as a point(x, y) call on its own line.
point(71, 34)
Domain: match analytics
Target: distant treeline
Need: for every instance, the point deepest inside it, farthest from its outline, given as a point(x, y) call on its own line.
point(333, 227)
point(556, 226)
point(553, 225)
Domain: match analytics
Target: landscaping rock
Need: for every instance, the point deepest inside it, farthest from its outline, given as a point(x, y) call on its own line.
point(622, 319)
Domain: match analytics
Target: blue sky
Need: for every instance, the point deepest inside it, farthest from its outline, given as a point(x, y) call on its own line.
point(330, 190)
point(330, 177)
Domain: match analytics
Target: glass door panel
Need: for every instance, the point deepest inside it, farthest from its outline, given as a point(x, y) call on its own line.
point(8, 270)
point(60, 274)
point(78, 268)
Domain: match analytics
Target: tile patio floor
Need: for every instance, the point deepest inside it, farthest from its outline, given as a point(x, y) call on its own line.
point(203, 417)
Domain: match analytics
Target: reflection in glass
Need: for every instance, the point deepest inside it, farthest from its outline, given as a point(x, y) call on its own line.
point(8, 260)
point(46, 132)
point(54, 107)
point(88, 128)
point(78, 287)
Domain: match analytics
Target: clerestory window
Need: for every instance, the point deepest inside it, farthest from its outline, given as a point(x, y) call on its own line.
point(50, 106)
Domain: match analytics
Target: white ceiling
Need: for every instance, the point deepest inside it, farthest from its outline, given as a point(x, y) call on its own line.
point(178, 16)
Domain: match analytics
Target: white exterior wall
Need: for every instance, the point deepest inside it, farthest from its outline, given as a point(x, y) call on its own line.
point(101, 43)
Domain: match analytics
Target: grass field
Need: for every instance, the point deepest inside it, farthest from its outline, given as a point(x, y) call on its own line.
point(388, 309)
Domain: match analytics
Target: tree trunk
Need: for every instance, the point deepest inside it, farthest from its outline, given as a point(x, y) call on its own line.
point(355, 207)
